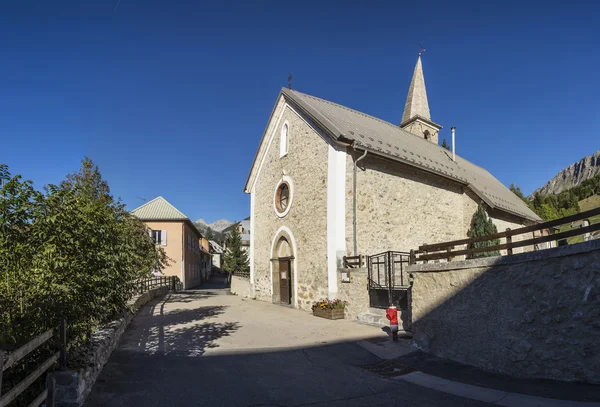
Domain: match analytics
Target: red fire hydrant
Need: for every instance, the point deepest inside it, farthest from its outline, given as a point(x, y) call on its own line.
point(392, 315)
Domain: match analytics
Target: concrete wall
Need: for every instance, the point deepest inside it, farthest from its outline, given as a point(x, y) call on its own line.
point(306, 166)
point(240, 286)
point(533, 314)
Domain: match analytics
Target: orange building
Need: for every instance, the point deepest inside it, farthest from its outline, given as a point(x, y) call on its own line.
point(187, 249)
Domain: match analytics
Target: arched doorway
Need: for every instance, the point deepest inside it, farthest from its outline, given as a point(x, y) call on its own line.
point(283, 269)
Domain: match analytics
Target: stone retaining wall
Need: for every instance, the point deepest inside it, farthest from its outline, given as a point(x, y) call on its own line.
point(533, 315)
point(73, 387)
point(240, 286)
point(355, 292)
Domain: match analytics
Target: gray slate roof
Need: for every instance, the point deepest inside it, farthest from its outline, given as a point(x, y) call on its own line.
point(386, 139)
point(158, 209)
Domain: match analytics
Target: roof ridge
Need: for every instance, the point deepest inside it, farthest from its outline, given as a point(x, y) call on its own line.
point(158, 198)
point(174, 207)
point(147, 203)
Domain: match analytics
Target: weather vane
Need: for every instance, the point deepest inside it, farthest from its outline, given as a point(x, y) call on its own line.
point(421, 49)
point(290, 81)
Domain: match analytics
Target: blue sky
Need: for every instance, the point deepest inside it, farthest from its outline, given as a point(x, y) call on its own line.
point(171, 97)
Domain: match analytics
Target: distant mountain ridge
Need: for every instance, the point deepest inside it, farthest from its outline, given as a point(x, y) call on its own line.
point(217, 226)
point(572, 176)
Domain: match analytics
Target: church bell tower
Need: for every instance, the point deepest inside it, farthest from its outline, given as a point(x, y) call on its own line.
point(416, 118)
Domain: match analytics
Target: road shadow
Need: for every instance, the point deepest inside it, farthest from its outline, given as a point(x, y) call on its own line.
point(156, 331)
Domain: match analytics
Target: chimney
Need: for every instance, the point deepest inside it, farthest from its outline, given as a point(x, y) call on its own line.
point(453, 143)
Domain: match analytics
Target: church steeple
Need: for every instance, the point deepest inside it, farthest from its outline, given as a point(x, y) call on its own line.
point(417, 118)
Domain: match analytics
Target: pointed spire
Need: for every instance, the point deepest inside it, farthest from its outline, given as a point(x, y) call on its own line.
point(416, 101)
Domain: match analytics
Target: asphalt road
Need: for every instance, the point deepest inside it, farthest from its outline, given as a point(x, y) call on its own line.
point(205, 348)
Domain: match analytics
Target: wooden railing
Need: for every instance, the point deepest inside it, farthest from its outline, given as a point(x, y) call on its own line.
point(354, 261)
point(9, 359)
point(448, 250)
point(173, 282)
point(243, 274)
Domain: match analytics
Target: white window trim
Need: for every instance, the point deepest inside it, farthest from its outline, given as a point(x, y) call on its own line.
point(284, 147)
point(288, 181)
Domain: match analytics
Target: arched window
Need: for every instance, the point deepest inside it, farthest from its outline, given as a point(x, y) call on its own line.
point(427, 134)
point(283, 141)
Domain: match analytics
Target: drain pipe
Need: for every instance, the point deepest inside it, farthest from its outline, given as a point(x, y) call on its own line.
point(354, 201)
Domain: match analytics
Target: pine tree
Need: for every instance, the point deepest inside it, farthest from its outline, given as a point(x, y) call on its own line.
point(209, 235)
point(446, 145)
point(235, 259)
point(482, 225)
point(4, 174)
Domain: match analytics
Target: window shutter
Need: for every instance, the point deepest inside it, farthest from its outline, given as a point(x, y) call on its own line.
point(163, 237)
point(150, 232)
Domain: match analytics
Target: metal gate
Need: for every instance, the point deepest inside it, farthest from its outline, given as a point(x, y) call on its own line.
point(388, 281)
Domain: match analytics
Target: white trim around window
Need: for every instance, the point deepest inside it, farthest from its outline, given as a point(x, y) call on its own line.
point(284, 139)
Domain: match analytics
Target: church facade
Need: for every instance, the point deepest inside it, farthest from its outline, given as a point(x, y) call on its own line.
point(329, 181)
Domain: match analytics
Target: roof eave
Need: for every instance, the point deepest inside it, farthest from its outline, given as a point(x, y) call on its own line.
point(418, 117)
point(491, 205)
point(317, 118)
point(246, 187)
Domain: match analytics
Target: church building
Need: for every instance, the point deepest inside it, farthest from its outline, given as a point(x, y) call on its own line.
point(328, 181)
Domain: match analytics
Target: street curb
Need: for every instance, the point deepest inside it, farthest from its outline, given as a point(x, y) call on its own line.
point(492, 396)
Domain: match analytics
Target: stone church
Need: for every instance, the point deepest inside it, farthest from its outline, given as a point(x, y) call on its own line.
point(329, 181)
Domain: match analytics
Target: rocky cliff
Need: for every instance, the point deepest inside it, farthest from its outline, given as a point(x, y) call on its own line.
point(572, 176)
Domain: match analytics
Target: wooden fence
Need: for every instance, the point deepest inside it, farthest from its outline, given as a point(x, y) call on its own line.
point(449, 250)
point(243, 274)
point(354, 261)
point(9, 359)
point(173, 282)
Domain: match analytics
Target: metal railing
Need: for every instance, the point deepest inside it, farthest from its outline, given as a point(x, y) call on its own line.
point(388, 280)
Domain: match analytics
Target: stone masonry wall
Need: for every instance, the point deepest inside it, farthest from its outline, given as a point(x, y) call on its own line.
point(400, 208)
point(534, 315)
point(240, 286)
point(72, 387)
point(306, 165)
point(355, 292)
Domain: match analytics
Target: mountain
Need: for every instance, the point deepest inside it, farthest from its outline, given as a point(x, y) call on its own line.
point(220, 225)
point(572, 176)
point(217, 226)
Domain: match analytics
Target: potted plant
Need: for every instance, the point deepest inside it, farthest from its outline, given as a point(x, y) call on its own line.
point(330, 309)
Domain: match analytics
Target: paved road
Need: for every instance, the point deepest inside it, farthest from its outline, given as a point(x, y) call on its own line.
point(206, 348)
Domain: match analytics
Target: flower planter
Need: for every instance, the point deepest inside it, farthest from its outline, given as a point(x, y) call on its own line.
point(329, 313)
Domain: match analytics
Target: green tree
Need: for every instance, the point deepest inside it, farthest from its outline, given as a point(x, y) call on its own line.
point(482, 225)
point(517, 191)
point(446, 145)
point(4, 174)
point(72, 252)
point(210, 234)
point(235, 259)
